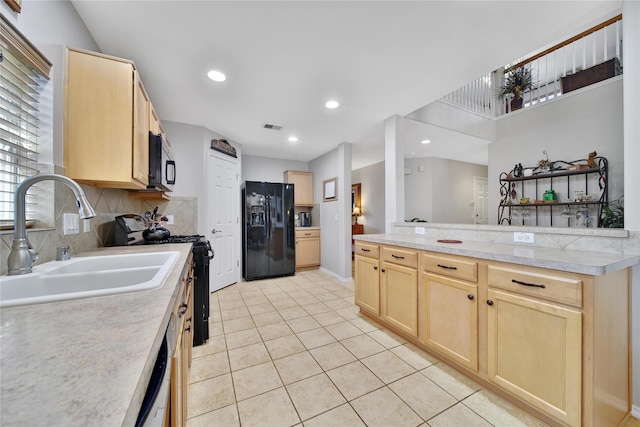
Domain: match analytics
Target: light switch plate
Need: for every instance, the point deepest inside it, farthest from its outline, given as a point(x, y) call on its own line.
point(86, 225)
point(169, 219)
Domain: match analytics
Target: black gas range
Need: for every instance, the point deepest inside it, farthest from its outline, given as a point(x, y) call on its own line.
point(127, 226)
point(202, 255)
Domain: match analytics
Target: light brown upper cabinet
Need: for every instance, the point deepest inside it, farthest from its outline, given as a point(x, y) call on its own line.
point(106, 123)
point(302, 186)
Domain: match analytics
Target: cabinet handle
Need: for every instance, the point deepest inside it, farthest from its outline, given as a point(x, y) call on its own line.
point(535, 285)
point(183, 309)
point(365, 250)
point(187, 329)
point(383, 270)
point(471, 297)
point(307, 234)
point(489, 302)
point(375, 268)
point(397, 256)
point(447, 267)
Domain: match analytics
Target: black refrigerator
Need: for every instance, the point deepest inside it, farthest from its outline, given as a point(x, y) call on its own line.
point(268, 234)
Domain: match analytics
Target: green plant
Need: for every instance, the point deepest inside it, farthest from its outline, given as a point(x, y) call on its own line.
point(516, 82)
point(612, 218)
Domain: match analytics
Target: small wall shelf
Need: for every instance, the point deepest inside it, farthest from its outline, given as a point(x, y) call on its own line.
point(514, 188)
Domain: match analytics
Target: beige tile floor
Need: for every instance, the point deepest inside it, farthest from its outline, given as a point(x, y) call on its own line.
point(295, 351)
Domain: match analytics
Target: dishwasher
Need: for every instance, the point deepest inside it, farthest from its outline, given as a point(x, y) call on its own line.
point(154, 404)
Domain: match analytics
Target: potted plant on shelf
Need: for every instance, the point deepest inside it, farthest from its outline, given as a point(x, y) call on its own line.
point(516, 83)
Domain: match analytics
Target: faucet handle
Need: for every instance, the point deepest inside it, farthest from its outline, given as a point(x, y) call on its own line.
point(63, 254)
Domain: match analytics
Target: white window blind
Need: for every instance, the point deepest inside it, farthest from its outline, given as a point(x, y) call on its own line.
point(21, 81)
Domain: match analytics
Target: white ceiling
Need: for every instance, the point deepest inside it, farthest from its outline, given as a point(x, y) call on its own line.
point(284, 59)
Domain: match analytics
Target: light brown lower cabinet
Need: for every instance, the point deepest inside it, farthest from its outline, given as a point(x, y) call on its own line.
point(450, 318)
point(399, 288)
point(182, 351)
point(367, 272)
point(534, 351)
point(552, 342)
point(307, 248)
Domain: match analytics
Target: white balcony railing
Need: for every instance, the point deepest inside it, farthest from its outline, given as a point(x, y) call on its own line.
point(550, 69)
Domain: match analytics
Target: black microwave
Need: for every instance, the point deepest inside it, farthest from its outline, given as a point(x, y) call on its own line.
point(162, 167)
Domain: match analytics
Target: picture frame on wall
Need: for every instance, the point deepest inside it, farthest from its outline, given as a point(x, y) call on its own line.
point(330, 189)
point(15, 4)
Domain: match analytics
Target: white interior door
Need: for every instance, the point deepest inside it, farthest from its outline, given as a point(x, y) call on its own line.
point(481, 200)
point(224, 222)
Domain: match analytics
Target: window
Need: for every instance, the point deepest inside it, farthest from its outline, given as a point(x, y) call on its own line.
point(23, 71)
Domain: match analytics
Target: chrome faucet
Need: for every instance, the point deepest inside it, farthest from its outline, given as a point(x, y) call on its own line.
point(22, 253)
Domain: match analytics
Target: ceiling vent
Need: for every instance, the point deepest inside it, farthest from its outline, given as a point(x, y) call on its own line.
point(272, 127)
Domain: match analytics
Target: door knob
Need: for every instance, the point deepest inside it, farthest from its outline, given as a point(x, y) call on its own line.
point(214, 231)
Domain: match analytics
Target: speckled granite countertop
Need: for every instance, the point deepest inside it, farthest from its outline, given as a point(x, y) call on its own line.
point(586, 262)
point(84, 362)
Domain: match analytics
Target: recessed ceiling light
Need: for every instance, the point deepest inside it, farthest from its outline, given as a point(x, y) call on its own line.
point(332, 104)
point(216, 76)
point(293, 139)
point(425, 141)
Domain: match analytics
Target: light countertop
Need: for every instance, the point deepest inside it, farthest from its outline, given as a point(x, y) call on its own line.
point(84, 362)
point(576, 261)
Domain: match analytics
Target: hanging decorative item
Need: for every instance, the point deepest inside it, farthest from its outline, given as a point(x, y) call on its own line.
point(223, 146)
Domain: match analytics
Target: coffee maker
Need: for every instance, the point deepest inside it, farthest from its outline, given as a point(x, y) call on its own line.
point(305, 219)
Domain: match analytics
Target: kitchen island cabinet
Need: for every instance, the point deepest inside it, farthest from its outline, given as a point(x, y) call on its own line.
point(106, 122)
point(450, 307)
point(553, 340)
point(399, 288)
point(367, 272)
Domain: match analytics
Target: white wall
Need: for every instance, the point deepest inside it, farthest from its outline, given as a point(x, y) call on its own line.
point(191, 146)
point(372, 196)
point(255, 168)
point(440, 113)
point(442, 192)
point(335, 233)
point(568, 129)
point(631, 37)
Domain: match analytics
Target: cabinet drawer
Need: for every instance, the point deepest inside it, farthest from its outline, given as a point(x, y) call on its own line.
point(400, 256)
point(368, 250)
point(300, 234)
point(547, 284)
point(452, 266)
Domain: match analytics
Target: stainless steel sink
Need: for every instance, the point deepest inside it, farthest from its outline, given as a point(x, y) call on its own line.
point(86, 277)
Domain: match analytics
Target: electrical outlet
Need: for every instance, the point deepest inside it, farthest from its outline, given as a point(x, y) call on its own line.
point(71, 224)
point(523, 237)
point(86, 225)
point(169, 219)
point(420, 230)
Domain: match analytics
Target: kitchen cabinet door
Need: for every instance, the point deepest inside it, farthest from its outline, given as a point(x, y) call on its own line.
point(449, 325)
point(307, 248)
point(535, 352)
point(140, 145)
point(302, 186)
point(106, 122)
point(367, 295)
point(399, 297)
